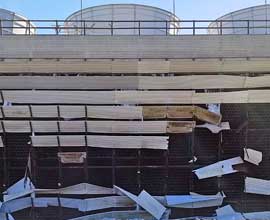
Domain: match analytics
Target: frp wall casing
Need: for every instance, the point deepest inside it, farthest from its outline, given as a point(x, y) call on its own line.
point(237, 22)
point(130, 14)
point(13, 23)
point(158, 172)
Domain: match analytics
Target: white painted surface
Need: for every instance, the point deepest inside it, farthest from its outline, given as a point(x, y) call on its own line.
point(15, 24)
point(257, 186)
point(253, 156)
point(122, 12)
point(261, 12)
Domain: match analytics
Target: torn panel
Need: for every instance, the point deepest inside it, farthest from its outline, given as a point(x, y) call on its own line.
point(252, 156)
point(214, 128)
point(79, 189)
point(218, 169)
point(228, 213)
point(151, 205)
point(257, 186)
point(122, 215)
point(21, 188)
point(195, 200)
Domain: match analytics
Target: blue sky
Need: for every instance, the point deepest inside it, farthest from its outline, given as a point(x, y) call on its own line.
point(185, 9)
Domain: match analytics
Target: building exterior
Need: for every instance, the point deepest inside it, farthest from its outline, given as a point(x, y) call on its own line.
point(129, 19)
point(253, 20)
point(130, 110)
point(13, 23)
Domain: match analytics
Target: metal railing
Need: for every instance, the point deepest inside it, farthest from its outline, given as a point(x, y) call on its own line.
point(138, 27)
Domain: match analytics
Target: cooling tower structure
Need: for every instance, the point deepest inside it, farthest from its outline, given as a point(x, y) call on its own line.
point(253, 20)
point(12, 23)
point(125, 20)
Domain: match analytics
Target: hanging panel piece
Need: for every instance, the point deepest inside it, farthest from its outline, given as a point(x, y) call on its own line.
point(218, 169)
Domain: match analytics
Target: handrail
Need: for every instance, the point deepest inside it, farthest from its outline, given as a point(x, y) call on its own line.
point(133, 27)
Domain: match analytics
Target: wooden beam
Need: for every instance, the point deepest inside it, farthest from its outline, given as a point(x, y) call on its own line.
point(120, 127)
point(101, 141)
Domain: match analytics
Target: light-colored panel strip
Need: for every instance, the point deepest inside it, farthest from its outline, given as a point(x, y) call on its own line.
point(17, 126)
point(72, 111)
point(55, 97)
point(222, 97)
point(256, 82)
point(1, 142)
point(129, 142)
point(133, 82)
point(124, 127)
point(192, 82)
point(226, 65)
point(136, 97)
point(69, 82)
point(49, 111)
point(258, 96)
point(119, 142)
point(72, 126)
point(154, 97)
point(124, 66)
point(257, 186)
point(44, 126)
point(16, 111)
point(154, 66)
point(140, 47)
point(72, 141)
point(115, 112)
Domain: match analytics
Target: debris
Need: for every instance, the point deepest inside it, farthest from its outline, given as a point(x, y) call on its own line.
point(150, 204)
point(252, 156)
point(195, 200)
point(214, 128)
point(193, 160)
point(218, 169)
point(21, 188)
point(72, 157)
point(257, 186)
point(79, 189)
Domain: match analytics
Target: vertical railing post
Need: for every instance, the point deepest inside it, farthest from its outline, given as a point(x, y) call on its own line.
point(84, 27)
point(111, 28)
point(56, 26)
point(166, 27)
point(248, 27)
point(1, 28)
point(29, 27)
point(221, 28)
point(139, 28)
point(194, 27)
